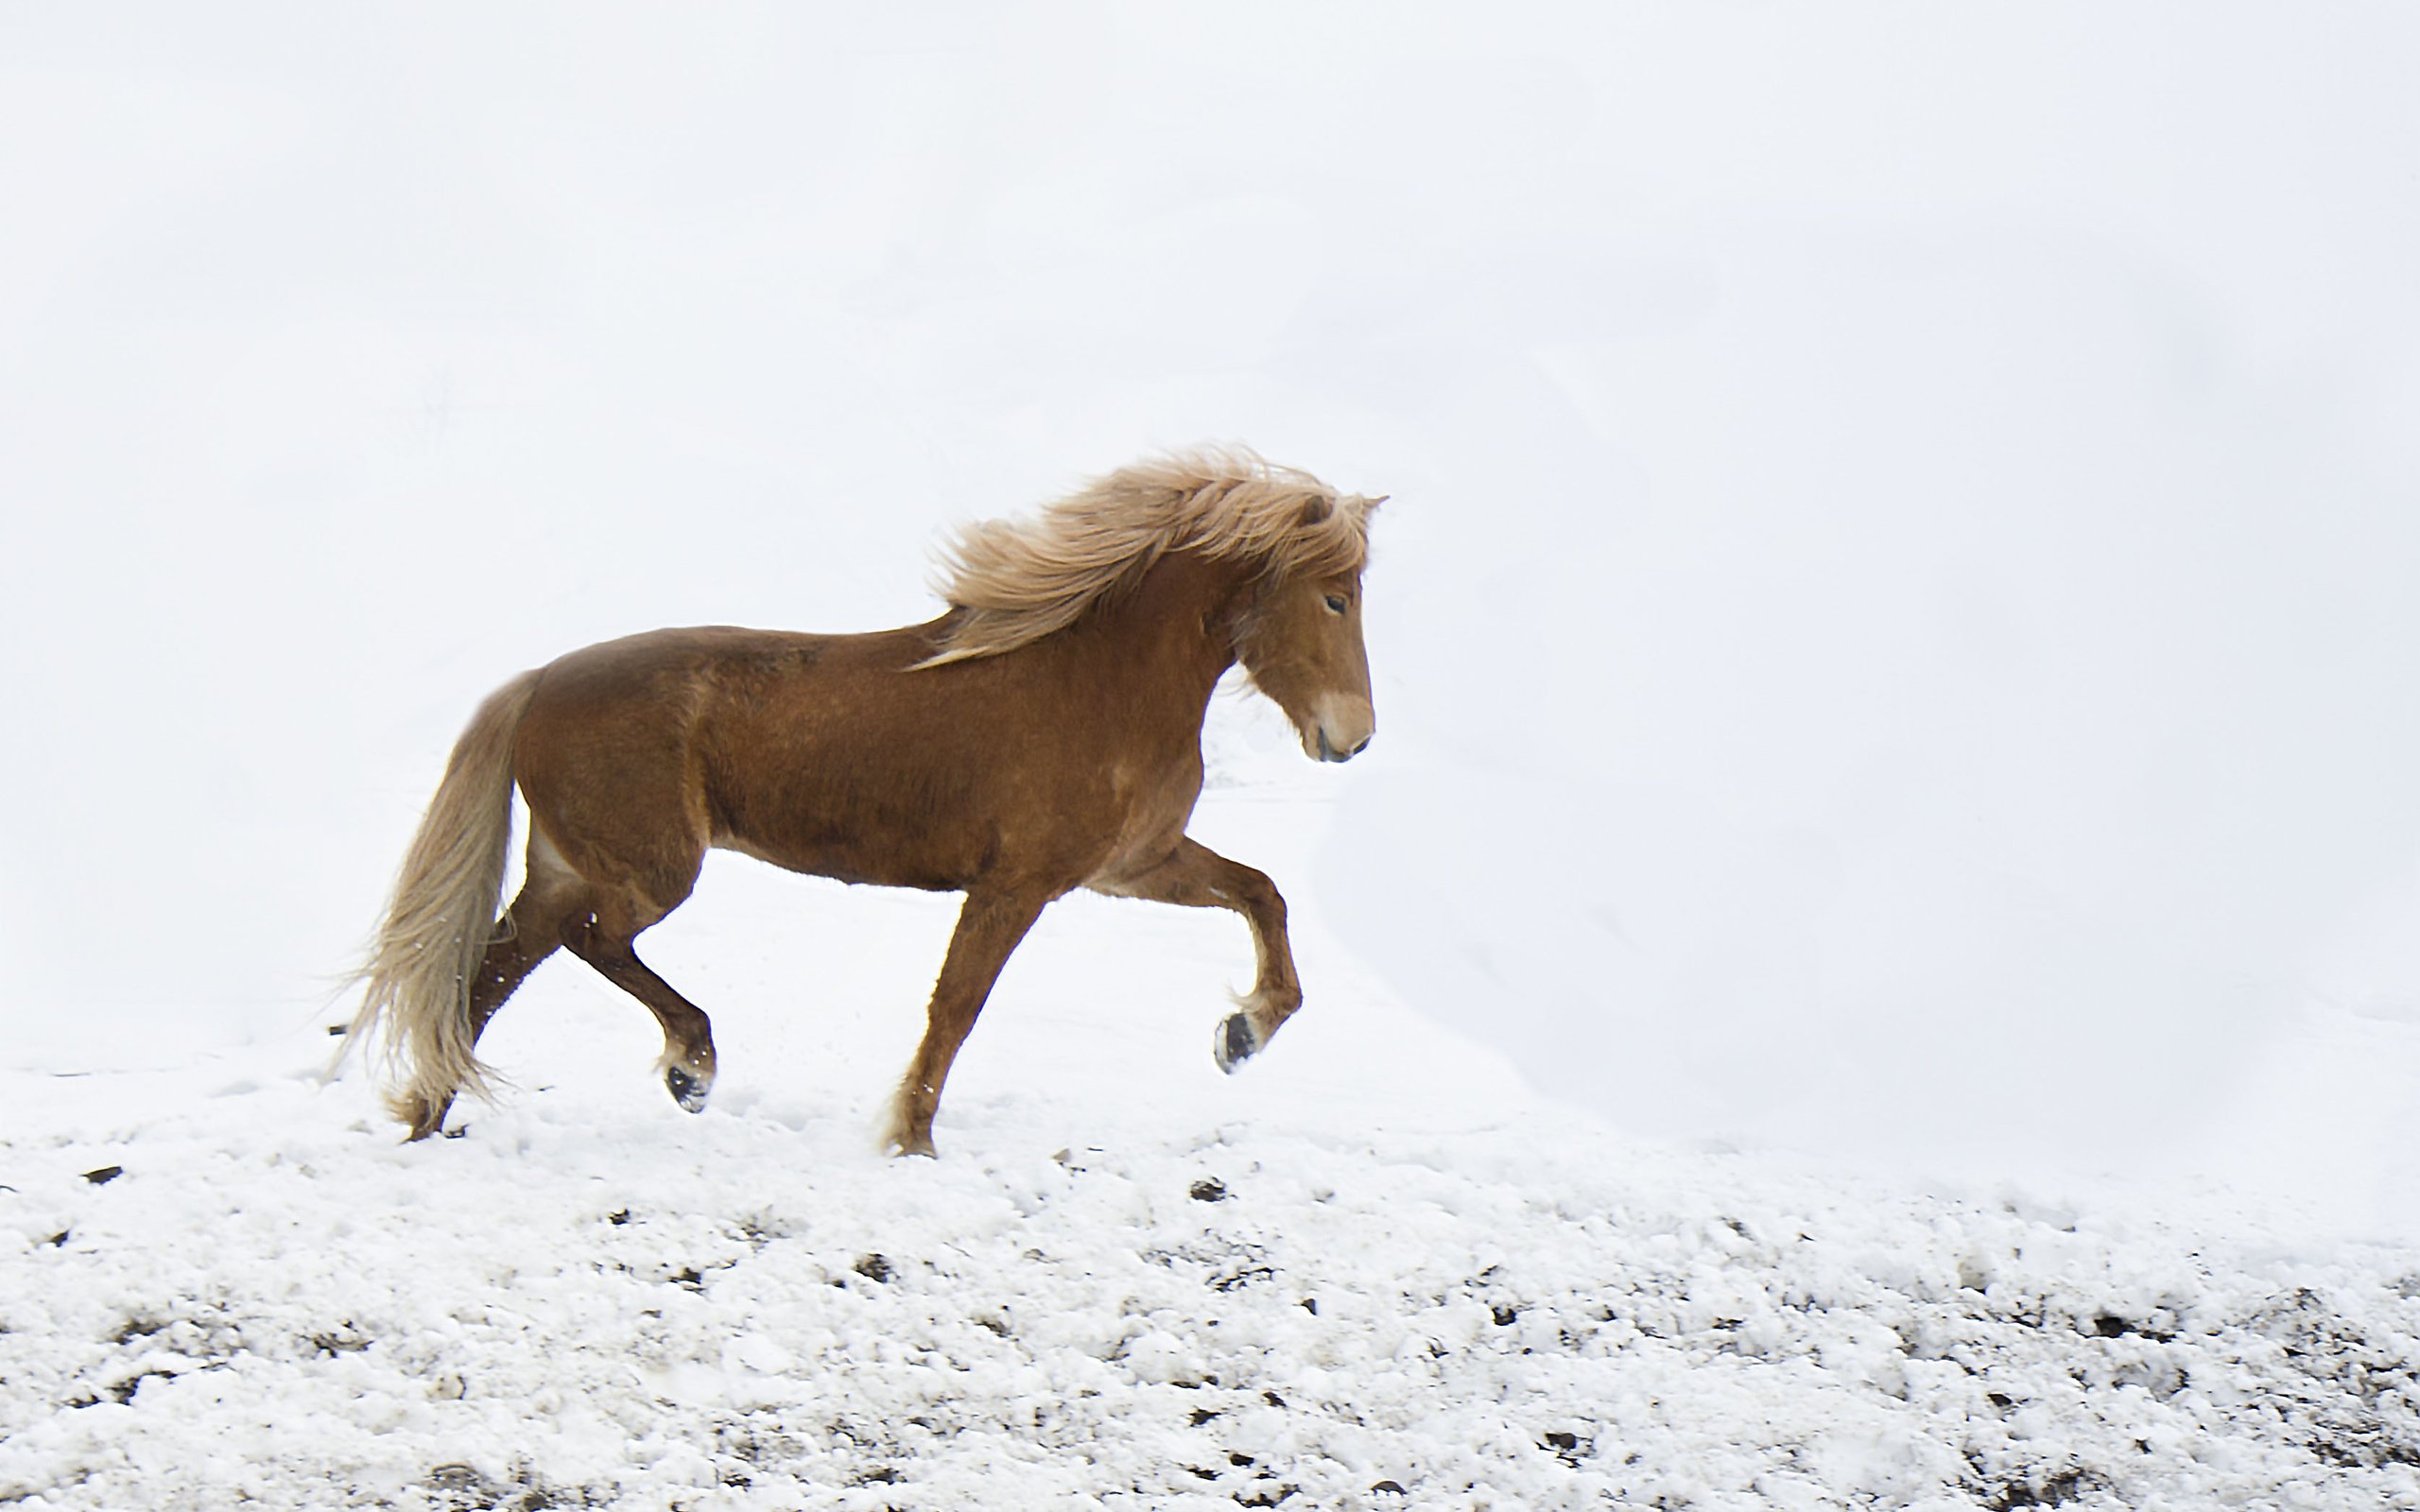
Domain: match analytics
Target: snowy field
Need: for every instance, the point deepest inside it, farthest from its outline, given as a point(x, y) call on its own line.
point(1873, 962)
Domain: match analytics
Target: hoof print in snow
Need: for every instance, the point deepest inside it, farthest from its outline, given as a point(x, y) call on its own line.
point(1386, 1488)
point(1209, 1189)
point(1264, 1495)
point(1568, 1447)
point(1505, 1314)
point(874, 1268)
point(689, 1277)
point(617, 1219)
point(105, 1175)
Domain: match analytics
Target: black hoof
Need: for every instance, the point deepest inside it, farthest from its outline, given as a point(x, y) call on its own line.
point(1235, 1042)
point(686, 1089)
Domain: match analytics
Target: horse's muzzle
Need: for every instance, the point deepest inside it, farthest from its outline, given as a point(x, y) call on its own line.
point(1340, 727)
point(1330, 753)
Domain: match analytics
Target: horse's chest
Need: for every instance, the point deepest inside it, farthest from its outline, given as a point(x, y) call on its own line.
point(1151, 801)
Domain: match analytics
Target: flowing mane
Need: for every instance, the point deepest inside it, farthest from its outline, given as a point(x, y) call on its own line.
point(1017, 580)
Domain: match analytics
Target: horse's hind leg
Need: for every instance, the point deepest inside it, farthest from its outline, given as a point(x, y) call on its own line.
point(530, 931)
point(609, 792)
point(603, 940)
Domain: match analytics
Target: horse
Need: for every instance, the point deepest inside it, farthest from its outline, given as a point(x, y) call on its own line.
point(1042, 735)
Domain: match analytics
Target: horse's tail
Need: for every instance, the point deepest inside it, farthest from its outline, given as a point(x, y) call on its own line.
point(416, 1003)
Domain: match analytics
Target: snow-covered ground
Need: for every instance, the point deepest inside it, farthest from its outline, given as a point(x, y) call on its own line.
point(1371, 1271)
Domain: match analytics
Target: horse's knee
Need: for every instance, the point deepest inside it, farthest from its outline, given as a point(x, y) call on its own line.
point(1259, 898)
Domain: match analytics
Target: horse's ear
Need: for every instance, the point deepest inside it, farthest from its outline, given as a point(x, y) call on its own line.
point(1370, 507)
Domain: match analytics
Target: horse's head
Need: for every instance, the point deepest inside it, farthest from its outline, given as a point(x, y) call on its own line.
point(1301, 641)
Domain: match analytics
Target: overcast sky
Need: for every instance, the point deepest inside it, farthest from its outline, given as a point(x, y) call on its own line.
point(1897, 623)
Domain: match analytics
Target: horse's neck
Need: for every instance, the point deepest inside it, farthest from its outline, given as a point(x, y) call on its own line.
point(1169, 641)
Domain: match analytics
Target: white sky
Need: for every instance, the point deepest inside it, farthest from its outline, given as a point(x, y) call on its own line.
point(1896, 625)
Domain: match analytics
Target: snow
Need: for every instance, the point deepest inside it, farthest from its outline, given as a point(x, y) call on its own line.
point(1881, 931)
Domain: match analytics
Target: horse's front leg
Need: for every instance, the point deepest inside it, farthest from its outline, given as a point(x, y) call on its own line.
point(1198, 877)
point(989, 927)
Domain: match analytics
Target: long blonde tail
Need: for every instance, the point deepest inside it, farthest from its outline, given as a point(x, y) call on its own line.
point(416, 1003)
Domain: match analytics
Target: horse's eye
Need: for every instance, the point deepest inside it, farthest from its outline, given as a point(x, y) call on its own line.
point(1336, 602)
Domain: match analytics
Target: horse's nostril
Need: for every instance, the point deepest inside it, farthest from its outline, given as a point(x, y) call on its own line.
point(1360, 746)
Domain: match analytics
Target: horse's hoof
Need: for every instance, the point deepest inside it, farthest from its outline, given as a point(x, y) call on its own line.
point(686, 1089)
point(1235, 1042)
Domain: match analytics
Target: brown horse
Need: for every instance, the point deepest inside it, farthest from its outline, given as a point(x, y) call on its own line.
point(1042, 735)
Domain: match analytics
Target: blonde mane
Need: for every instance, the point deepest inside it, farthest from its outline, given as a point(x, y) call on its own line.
point(1015, 581)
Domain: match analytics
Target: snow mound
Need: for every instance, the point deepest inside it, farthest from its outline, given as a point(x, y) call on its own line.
point(269, 1302)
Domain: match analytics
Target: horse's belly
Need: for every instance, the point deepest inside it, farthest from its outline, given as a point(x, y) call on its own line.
point(882, 865)
point(1059, 843)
